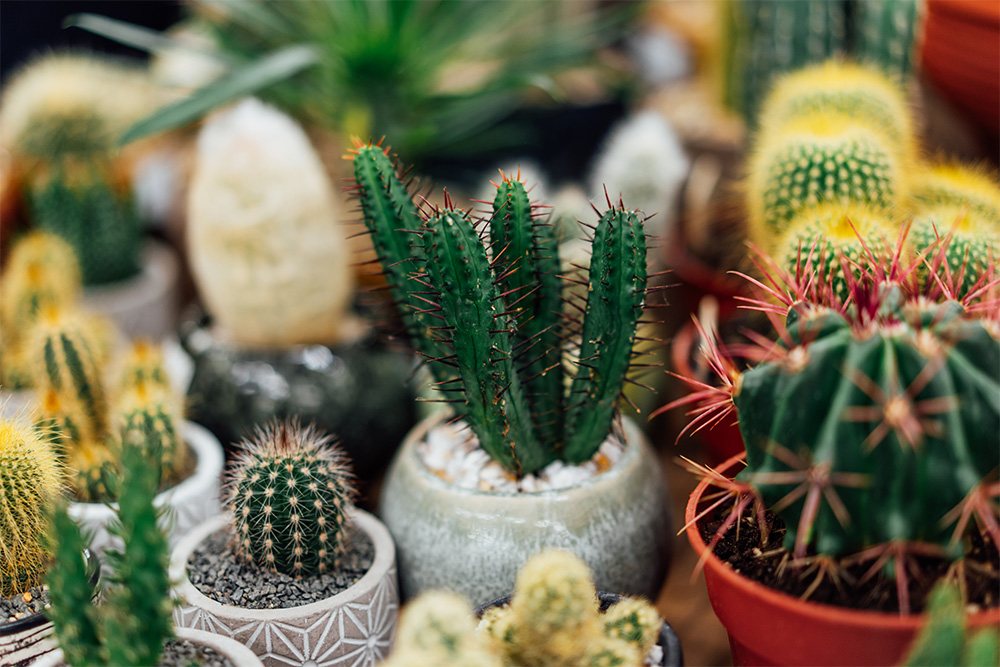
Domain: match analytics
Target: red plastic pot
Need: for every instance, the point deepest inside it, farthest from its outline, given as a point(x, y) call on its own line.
point(723, 440)
point(770, 628)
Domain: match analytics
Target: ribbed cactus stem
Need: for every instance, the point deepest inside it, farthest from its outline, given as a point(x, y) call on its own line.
point(527, 268)
point(30, 480)
point(73, 614)
point(480, 335)
point(614, 305)
point(289, 493)
point(144, 365)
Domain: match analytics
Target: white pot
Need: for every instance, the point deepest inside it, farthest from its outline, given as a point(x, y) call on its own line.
point(355, 627)
point(238, 654)
point(144, 306)
point(190, 502)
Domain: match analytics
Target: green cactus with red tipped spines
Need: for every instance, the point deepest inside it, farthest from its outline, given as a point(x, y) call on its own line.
point(495, 327)
point(289, 492)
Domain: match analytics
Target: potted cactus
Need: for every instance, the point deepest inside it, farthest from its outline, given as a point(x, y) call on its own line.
point(291, 569)
point(91, 423)
point(62, 115)
point(496, 339)
point(554, 617)
point(273, 271)
point(132, 626)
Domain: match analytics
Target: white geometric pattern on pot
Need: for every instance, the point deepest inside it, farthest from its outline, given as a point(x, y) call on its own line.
point(352, 629)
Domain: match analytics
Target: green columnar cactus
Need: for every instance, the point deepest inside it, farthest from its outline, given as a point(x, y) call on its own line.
point(289, 493)
point(30, 480)
point(885, 33)
point(135, 620)
point(149, 421)
point(495, 330)
point(819, 159)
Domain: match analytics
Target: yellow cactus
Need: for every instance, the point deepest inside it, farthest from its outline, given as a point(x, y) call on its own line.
point(859, 93)
point(438, 628)
point(951, 184)
point(635, 621)
point(30, 480)
point(607, 651)
point(143, 365)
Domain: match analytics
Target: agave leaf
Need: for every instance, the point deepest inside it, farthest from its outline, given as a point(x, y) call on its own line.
point(239, 82)
point(129, 34)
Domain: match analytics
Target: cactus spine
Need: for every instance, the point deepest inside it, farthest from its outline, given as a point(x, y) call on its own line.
point(289, 493)
point(132, 625)
point(30, 480)
point(493, 329)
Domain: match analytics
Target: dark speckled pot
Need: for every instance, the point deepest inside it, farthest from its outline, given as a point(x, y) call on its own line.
point(475, 542)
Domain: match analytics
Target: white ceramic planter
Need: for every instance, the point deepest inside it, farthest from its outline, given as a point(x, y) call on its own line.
point(475, 542)
point(189, 503)
point(144, 306)
point(355, 627)
point(238, 654)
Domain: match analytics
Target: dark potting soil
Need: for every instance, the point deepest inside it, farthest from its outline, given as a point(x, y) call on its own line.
point(184, 653)
point(818, 581)
point(21, 605)
point(215, 571)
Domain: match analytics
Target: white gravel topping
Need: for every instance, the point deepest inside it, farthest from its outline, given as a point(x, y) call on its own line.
point(452, 452)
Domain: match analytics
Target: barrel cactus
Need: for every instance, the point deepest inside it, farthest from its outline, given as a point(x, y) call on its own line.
point(289, 492)
point(481, 302)
point(31, 478)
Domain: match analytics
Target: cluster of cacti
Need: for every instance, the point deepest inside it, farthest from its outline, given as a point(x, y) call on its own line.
point(945, 639)
point(553, 619)
point(873, 423)
point(763, 39)
point(132, 624)
point(289, 492)
point(62, 116)
point(262, 224)
point(30, 480)
point(487, 313)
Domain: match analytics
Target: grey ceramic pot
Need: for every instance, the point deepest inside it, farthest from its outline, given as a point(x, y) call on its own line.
point(475, 542)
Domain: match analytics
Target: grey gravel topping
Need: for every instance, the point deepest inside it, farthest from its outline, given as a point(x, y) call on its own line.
point(215, 571)
point(21, 605)
point(183, 653)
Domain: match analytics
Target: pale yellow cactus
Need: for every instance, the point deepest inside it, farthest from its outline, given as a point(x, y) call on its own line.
point(438, 629)
point(635, 621)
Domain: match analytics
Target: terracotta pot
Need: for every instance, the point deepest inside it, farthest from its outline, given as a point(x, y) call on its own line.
point(668, 641)
point(190, 502)
point(354, 627)
point(27, 639)
point(238, 654)
point(770, 628)
point(144, 306)
point(960, 52)
point(475, 542)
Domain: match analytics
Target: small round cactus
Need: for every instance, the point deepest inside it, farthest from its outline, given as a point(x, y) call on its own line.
point(143, 365)
point(289, 492)
point(438, 628)
point(30, 480)
point(634, 621)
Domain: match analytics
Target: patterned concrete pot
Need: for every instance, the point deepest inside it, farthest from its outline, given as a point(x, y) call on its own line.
point(475, 542)
point(25, 640)
point(355, 627)
point(144, 306)
point(190, 502)
point(239, 655)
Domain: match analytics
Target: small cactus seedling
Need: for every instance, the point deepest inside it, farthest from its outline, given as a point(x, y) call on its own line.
point(488, 314)
point(945, 640)
point(30, 481)
point(872, 425)
point(553, 619)
point(132, 625)
point(289, 492)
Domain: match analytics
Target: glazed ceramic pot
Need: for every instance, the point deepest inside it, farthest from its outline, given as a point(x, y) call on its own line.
point(356, 390)
point(25, 640)
point(189, 503)
point(355, 627)
point(770, 628)
point(144, 306)
point(238, 655)
point(475, 542)
point(673, 656)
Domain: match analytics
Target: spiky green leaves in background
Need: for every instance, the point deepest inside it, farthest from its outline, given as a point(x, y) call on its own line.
point(289, 492)
point(495, 324)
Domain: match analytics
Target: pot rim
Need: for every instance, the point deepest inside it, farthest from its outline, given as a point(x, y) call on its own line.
point(633, 439)
point(208, 469)
point(385, 558)
point(749, 587)
point(93, 564)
